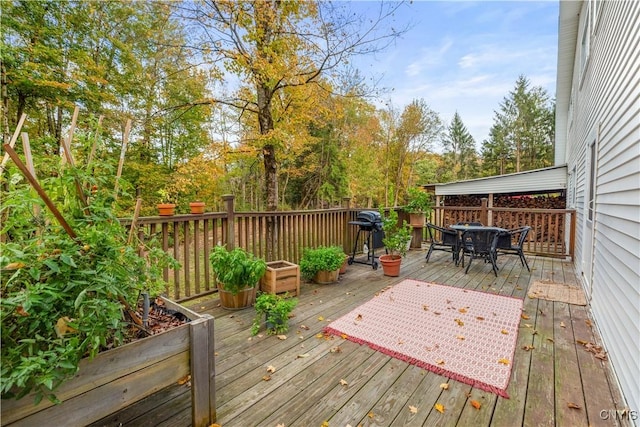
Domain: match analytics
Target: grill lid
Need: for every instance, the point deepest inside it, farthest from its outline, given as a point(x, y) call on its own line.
point(372, 217)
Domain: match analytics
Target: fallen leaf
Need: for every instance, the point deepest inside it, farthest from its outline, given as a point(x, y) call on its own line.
point(582, 342)
point(504, 332)
point(320, 318)
point(343, 382)
point(524, 316)
point(459, 322)
point(336, 349)
point(475, 404)
point(320, 335)
point(444, 386)
point(527, 347)
point(324, 424)
point(266, 378)
point(282, 337)
point(14, 266)
point(588, 322)
point(62, 327)
point(280, 425)
point(305, 327)
point(371, 415)
point(528, 325)
point(271, 369)
point(440, 362)
point(504, 361)
point(439, 407)
point(480, 318)
point(359, 317)
point(550, 340)
point(413, 409)
point(437, 313)
point(184, 380)
point(460, 337)
point(573, 405)
point(302, 356)
point(425, 307)
point(462, 310)
point(400, 342)
point(562, 325)
point(21, 311)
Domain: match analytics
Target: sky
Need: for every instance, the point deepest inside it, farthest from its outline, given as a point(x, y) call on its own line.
point(465, 56)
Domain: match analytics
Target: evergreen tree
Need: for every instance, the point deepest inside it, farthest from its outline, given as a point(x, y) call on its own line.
point(460, 151)
point(522, 135)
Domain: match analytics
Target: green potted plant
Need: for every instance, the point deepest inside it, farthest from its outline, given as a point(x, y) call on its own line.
point(321, 264)
point(396, 239)
point(276, 310)
point(237, 274)
point(418, 206)
point(166, 204)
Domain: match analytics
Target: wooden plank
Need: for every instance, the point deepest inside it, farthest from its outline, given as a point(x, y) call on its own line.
point(123, 151)
point(568, 383)
point(101, 401)
point(200, 372)
point(423, 398)
point(453, 399)
point(12, 141)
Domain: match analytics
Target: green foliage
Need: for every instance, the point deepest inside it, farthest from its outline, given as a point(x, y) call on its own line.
point(236, 269)
point(61, 296)
point(419, 201)
point(396, 236)
point(276, 308)
point(327, 258)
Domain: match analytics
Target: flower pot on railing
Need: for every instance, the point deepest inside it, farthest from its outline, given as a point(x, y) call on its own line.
point(166, 209)
point(197, 207)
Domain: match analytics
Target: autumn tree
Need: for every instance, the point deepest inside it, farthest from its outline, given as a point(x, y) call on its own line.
point(407, 137)
point(278, 45)
point(459, 154)
point(522, 135)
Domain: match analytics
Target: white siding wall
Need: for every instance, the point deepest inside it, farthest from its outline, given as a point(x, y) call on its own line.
point(607, 108)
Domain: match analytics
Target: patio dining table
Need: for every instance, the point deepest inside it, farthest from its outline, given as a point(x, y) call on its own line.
point(461, 229)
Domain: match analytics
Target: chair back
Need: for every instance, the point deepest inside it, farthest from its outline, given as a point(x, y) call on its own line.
point(481, 241)
point(441, 235)
point(524, 231)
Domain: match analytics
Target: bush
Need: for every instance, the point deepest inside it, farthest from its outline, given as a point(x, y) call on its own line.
point(276, 309)
point(236, 269)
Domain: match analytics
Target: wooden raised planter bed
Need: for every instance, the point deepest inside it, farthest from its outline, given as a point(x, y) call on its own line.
point(117, 378)
point(281, 276)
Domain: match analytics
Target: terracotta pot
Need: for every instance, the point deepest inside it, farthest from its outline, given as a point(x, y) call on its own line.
point(343, 269)
point(417, 219)
point(243, 299)
point(391, 264)
point(324, 277)
point(197, 207)
point(166, 209)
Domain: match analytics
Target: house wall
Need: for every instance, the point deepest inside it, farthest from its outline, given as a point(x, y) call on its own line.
point(604, 108)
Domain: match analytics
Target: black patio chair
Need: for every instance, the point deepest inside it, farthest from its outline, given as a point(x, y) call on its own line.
point(442, 240)
point(480, 244)
point(506, 245)
point(478, 224)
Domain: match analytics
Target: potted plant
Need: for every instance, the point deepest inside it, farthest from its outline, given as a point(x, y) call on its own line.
point(237, 274)
point(396, 239)
point(166, 204)
point(276, 310)
point(197, 207)
point(321, 264)
point(418, 205)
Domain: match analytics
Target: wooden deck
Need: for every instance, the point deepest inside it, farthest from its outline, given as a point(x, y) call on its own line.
point(305, 388)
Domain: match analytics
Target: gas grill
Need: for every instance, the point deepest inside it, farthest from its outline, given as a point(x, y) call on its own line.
point(369, 225)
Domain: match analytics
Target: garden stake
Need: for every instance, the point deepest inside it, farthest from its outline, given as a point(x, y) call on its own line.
point(125, 141)
point(26, 147)
point(66, 144)
point(13, 140)
point(95, 143)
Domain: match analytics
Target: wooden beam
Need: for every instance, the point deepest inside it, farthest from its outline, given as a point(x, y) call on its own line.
point(95, 142)
point(26, 146)
point(125, 141)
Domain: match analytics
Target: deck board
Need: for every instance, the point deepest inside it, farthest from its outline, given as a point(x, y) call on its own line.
point(305, 389)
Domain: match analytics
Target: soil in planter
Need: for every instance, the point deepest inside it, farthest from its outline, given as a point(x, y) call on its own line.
point(160, 319)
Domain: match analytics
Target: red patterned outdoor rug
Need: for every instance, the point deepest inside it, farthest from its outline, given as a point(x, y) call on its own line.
point(465, 335)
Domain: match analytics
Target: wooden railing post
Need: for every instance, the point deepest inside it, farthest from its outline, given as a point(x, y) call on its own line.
point(484, 213)
point(229, 208)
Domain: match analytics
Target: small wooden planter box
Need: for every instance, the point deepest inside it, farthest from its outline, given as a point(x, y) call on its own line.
point(281, 276)
point(117, 378)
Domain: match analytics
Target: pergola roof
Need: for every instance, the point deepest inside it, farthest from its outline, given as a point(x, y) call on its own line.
point(534, 181)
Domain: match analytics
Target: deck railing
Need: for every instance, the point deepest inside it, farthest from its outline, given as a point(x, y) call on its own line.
point(190, 238)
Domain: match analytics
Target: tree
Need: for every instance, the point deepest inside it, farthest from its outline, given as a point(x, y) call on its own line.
point(459, 150)
point(523, 131)
point(278, 46)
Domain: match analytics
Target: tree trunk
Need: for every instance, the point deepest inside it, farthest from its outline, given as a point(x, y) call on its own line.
point(265, 121)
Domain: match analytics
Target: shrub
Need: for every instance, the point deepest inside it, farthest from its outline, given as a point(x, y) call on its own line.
point(329, 258)
point(236, 269)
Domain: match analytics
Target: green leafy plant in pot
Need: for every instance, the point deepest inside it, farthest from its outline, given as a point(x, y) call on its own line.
point(237, 273)
point(418, 205)
point(276, 309)
point(321, 259)
point(396, 239)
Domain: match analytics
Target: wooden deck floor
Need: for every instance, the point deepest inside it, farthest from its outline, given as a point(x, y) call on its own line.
point(306, 391)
